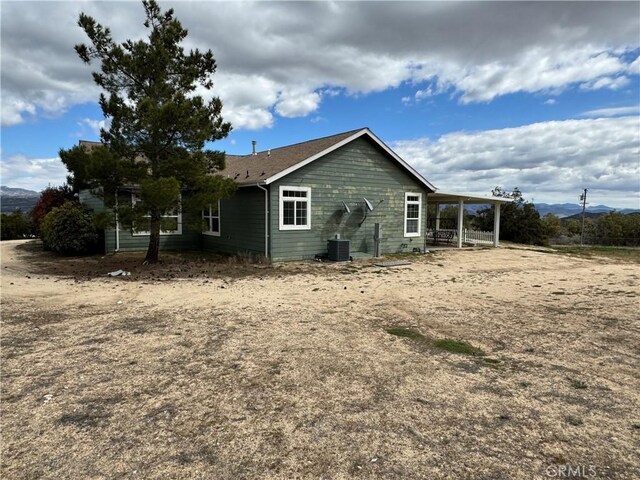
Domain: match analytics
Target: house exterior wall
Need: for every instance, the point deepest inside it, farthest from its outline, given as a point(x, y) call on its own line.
point(241, 224)
point(356, 170)
point(95, 203)
point(91, 201)
point(189, 239)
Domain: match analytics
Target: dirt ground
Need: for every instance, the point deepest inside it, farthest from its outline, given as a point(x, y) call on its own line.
point(202, 367)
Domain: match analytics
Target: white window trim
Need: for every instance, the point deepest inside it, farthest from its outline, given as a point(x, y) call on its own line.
point(162, 232)
point(281, 202)
point(406, 204)
point(211, 232)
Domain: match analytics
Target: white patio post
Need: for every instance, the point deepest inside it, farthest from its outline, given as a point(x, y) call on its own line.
point(496, 224)
point(460, 221)
point(437, 225)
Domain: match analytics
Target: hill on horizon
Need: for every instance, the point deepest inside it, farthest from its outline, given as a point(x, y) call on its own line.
point(563, 210)
point(12, 199)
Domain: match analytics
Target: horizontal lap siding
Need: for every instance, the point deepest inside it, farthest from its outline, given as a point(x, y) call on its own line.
point(188, 240)
point(359, 169)
point(241, 224)
point(96, 204)
point(91, 201)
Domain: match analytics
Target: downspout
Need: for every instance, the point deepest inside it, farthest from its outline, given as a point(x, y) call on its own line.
point(266, 219)
point(426, 220)
point(460, 221)
point(117, 225)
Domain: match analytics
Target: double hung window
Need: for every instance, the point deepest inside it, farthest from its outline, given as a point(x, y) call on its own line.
point(211, 217)
point(412, 209)
point(295, 208)
point(171, 221)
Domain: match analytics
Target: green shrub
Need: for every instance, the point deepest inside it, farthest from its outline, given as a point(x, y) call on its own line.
point(50, 198)
point(69, 229)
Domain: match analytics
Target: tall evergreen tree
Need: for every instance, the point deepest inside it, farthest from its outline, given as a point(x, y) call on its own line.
point(159, 125)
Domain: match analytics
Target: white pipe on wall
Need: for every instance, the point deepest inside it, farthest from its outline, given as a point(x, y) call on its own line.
point(117, 225)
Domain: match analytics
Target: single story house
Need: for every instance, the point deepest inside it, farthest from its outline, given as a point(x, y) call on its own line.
point(306, 200)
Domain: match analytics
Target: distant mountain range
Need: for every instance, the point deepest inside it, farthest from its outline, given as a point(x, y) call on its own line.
point(563, 210)
point(17, 192)
point(12, 199)
point(568, 209)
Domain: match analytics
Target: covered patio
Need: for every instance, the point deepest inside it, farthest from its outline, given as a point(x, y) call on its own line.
point(451, 231)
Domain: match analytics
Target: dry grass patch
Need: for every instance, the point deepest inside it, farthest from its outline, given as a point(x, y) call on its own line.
point(300, 375)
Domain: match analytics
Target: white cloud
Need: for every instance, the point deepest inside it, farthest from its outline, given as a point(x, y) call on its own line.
point(14, 111)
point(612, 112)
point(285, 57)
point(297, 104)
point(550, 101)
point(546, 160)
point(20, 171)
point(612, 83)
point(422, 94)
point(255, 90)
point(94, 125)
point(536, 70)
point(248, 117)
point(634, 67)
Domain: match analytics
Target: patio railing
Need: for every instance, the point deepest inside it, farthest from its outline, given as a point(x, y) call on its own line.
point(450, 235)
point(477, 237)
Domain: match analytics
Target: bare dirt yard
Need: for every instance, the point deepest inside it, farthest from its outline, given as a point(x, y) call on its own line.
point(507, 363)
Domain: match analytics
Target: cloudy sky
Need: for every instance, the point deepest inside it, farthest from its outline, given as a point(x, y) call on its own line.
point(541, 96)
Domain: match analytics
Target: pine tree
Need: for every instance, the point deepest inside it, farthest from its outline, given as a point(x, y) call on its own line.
point(158, 124)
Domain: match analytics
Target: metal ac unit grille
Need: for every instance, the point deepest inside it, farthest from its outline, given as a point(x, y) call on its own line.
point(339, 250)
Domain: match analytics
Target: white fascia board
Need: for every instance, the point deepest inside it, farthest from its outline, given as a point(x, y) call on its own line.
point(467, 198)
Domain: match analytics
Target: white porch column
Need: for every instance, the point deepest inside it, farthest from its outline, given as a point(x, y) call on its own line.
point(496, 224)
point(460, 221)
point(437, 225)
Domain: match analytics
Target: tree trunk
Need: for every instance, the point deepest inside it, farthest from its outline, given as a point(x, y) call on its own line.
point(153, 251)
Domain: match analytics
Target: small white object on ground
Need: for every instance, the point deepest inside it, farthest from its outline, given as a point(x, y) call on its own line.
point(118, 273)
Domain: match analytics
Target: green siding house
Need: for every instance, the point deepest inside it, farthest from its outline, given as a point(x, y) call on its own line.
point(292, 200)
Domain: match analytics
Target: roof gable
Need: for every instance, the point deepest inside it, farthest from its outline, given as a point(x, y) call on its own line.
point(268, 166)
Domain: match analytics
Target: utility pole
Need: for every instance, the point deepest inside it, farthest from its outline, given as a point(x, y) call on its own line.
point(583, 199)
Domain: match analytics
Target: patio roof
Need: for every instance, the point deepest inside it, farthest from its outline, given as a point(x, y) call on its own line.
point(444, 197)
